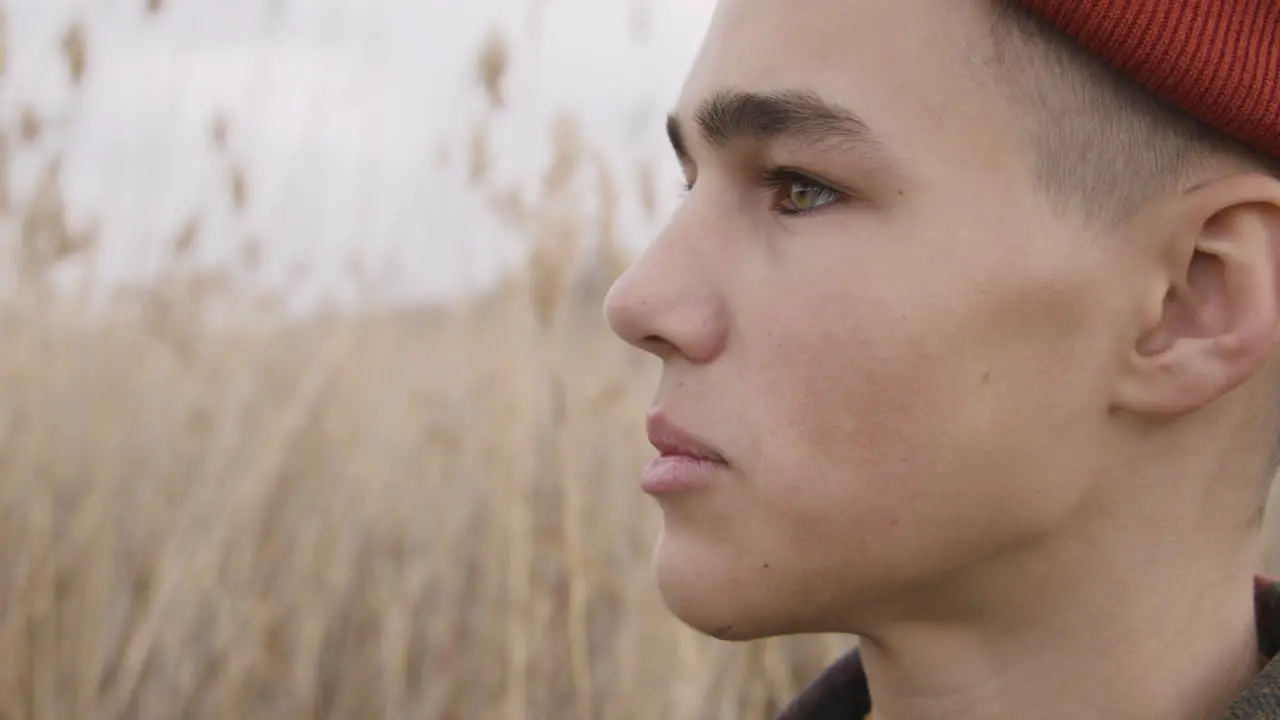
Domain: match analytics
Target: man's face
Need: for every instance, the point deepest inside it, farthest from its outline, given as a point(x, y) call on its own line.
point(867, 308)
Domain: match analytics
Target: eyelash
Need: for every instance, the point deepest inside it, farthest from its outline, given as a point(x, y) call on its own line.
point(776, 178)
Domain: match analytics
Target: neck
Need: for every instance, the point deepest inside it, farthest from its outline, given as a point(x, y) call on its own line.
point(1085, 628)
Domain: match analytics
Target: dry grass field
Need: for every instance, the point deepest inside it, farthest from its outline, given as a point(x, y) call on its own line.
point(430, 515)
point(426, 513)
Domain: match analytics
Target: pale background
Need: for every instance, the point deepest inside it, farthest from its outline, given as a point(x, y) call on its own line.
point(350, 120)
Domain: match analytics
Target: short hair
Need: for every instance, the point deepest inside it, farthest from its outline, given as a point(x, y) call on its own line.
point(1103, 143)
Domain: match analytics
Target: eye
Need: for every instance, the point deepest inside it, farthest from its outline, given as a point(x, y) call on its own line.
point(798, 194)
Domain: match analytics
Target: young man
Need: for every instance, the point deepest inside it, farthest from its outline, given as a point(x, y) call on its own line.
point(968, 328)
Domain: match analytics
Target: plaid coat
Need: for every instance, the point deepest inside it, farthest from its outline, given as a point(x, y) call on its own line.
point(841, 692)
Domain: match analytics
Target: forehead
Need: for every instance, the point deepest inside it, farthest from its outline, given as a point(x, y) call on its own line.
point(917, 71)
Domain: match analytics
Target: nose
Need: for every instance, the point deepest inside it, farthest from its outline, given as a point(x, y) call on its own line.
point(667, 303)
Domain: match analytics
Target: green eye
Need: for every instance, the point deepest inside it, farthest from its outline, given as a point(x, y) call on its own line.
point(806, 196)
point(796, 194)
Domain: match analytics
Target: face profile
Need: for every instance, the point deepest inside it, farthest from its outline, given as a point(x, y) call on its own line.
point(931, 373)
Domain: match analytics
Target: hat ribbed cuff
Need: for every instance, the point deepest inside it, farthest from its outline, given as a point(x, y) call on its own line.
point(1218, 60)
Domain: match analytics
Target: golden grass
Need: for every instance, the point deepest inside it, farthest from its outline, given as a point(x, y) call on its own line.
point(417, 514)
point(425, 514)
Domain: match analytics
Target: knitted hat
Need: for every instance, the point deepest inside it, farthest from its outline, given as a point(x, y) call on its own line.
point(1218, 60)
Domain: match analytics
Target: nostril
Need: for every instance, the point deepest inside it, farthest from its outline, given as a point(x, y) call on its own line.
point(657, 346)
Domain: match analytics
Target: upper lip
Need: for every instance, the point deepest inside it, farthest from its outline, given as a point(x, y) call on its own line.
point(670, 439)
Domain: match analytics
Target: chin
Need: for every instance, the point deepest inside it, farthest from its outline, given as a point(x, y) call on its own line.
point(705, 593)
point(709, 613)
point(720, 588)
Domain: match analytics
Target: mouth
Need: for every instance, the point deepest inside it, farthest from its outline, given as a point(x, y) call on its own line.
point(684, 461)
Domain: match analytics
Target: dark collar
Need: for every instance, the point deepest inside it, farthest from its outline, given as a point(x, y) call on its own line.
point(841, 692)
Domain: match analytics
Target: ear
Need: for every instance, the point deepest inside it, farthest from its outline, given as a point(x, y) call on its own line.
point(1214, 318)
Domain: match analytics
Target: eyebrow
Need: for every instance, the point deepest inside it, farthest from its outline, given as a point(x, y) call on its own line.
point(798, 115)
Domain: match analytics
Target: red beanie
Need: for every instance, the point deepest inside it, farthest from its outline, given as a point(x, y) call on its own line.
point(1218, 60)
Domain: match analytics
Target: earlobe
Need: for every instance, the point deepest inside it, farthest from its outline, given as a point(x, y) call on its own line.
point(1218, 322)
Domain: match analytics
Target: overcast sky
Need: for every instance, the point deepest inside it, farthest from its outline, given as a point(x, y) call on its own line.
point(338, 109)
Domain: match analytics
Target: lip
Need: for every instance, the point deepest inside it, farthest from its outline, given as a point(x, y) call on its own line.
point(684, 461)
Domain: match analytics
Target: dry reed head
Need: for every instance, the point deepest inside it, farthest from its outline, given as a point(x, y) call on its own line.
point(220, 132)
point(29, 125)
point(491, 67)
point(74, 52)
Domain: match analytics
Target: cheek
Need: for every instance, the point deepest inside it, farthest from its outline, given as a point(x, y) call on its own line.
point(859, 405)
point(916, 438)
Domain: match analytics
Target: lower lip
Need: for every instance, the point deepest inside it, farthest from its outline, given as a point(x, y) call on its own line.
point(669, 474)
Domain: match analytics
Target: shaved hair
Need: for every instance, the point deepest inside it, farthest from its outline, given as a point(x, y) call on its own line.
point(1103, 143)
